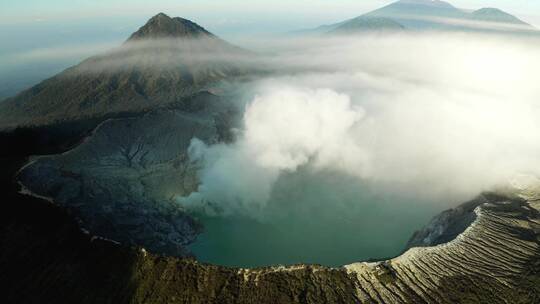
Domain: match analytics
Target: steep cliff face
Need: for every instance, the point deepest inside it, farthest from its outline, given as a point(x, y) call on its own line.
point(498, 252)
point(447, 225)
point(495, 260)
point(120, 181)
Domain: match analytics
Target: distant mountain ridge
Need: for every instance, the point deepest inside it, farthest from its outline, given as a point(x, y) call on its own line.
point(428, 3)
point(367, 24)
point(431, 15)
point(418, 14)
point(164, 62)
point(496, 15)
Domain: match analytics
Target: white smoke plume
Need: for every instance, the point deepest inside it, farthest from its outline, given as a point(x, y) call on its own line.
point(447, 114)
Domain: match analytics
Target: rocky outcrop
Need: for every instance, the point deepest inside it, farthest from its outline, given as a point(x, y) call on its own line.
point(162, 26)
point(121, 180)
point(447, 225)
point(498, 251)
point(495, 260)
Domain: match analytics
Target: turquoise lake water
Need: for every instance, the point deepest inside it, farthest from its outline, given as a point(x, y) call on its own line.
point(328, 220)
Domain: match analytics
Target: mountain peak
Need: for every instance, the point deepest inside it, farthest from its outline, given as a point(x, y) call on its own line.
point(161, 15)
point(163, 26)
point(431, 3)
point(496, 15)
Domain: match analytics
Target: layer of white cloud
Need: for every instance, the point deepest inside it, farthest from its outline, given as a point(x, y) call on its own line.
point(432, 114)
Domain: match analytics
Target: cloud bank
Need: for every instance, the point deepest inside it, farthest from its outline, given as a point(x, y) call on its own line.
point(434, 115)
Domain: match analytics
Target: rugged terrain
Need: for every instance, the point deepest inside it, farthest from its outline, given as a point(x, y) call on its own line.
point(46, 257)
point(167, 61)
point(484, 251)
point(76, 221)
point(120, 182)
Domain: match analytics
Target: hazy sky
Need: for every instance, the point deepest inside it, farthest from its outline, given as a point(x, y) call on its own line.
point(40, 38)
point(31, 24)
point(226, 15)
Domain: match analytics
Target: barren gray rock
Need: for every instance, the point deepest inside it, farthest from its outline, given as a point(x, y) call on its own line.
point(121, 180)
